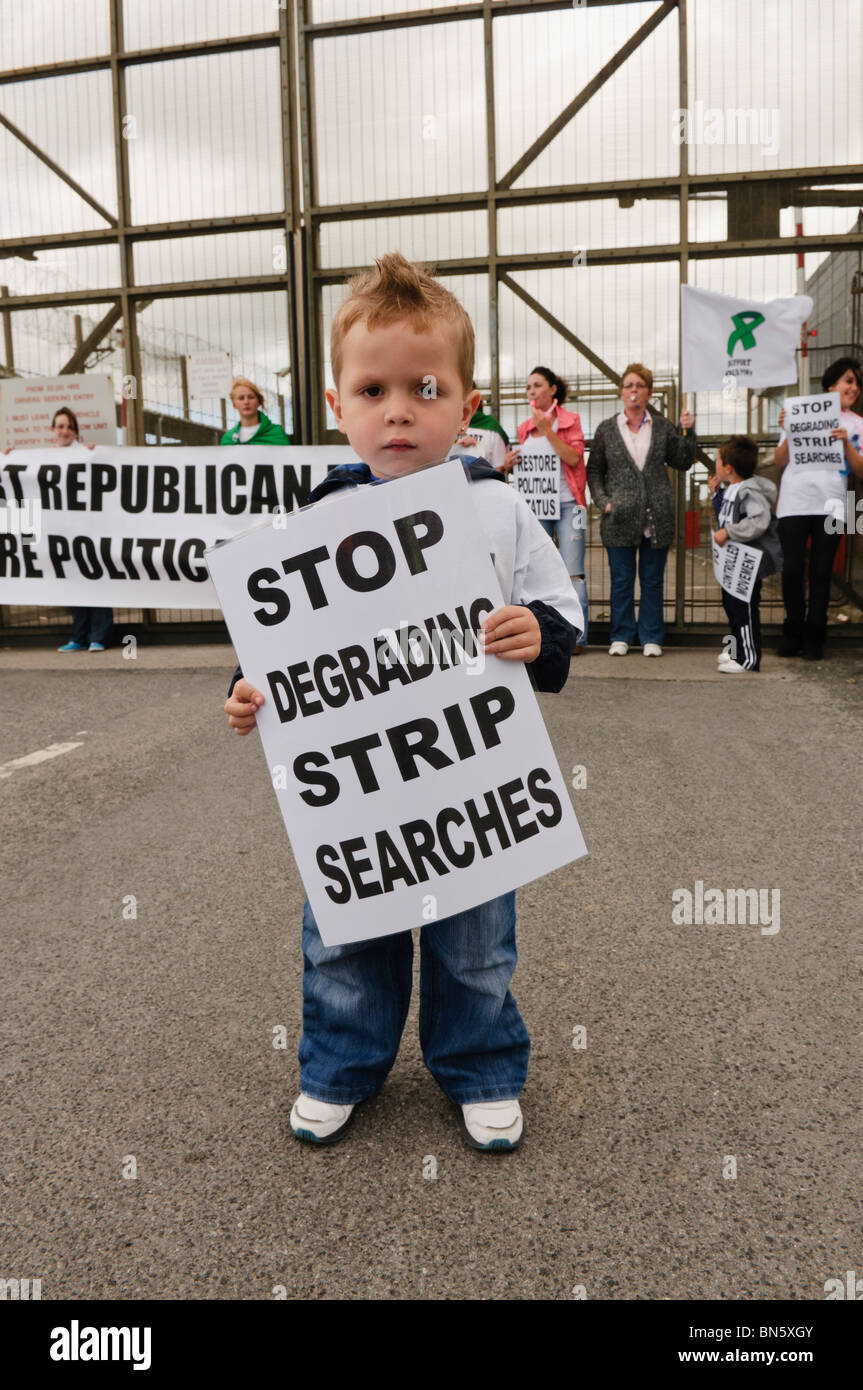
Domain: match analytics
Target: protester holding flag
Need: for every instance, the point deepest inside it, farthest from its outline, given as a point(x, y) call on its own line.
point(254, 427)
point(561, 429)
point(808, 499)
point(629, 484)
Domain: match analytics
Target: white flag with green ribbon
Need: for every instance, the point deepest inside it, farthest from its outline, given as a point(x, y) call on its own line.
point(728, 341)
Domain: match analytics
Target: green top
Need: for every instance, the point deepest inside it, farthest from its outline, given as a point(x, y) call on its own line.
point(487, 422)
point(267, 433)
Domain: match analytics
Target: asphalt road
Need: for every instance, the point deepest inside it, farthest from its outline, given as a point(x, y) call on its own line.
point(150, 1037)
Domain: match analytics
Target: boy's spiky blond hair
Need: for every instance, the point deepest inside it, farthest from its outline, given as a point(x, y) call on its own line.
point(398, 289)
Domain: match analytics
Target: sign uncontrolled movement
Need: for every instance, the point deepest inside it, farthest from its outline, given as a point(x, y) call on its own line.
point(736, 568)
point(415, 776)
point(128, 527)
point(536, 478)
point(808, 422)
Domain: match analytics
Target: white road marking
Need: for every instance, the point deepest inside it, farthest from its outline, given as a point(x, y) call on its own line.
point(54, 750)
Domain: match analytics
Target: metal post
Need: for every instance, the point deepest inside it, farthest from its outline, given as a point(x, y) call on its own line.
point(124, 207)
point(291, 192)
point(316, 422)
point(184, 386)
point(8, 348)
point(680, 490)
point(493, 287)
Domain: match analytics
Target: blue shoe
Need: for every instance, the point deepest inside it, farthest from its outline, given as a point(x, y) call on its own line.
point(493, 1125)
point(71, 647)
point(95, 647)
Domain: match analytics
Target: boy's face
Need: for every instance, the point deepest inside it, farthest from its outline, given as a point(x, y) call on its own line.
point(400, 399)
point(723, 472)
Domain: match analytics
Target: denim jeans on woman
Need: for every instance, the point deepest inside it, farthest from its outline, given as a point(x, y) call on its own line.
point(356, 997)
point(571, 531)
point(651, 571)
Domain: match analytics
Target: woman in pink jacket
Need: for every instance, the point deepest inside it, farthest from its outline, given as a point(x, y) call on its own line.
point(561, 429)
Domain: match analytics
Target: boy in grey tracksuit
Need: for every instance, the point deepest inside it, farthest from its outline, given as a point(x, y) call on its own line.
point(743, 504)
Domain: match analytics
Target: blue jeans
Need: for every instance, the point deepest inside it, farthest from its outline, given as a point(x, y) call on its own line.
point(91, 625)
point(356, 996)
point(571, 532)
point(651, 571)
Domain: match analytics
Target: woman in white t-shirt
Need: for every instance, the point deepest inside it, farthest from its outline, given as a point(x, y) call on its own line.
point(812, 508)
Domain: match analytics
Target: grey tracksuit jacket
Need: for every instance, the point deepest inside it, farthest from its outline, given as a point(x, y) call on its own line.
point(752, 520)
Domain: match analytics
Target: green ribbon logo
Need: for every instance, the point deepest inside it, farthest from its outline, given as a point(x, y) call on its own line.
point(744, 330)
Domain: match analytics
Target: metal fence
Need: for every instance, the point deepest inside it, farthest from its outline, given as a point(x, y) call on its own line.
point(198, 175)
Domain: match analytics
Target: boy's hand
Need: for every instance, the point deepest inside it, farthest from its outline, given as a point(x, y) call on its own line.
point(512, 633)
point(720, 536)
point(242, 706)
point(511, 459)
point(712, 483)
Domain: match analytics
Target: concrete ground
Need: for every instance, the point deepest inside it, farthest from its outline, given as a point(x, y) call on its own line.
point(143, 1044)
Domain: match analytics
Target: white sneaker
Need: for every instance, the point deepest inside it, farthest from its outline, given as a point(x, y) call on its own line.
point(319, 1122)
point(731, 667)
point(492, 1124)
point(651, 649)
point(618, 649)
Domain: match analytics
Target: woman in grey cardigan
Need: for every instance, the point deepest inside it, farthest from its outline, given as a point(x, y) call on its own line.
point(628, 482)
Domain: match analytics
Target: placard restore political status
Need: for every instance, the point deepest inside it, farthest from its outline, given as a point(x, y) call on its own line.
point(536, 478)
point(415, 777)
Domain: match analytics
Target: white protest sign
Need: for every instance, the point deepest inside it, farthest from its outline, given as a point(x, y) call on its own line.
point(808, 422)
point(735, 567)
point(208, 375)
point(536, 478)
point(119, 527)
point(28, 405)
point(415, 777)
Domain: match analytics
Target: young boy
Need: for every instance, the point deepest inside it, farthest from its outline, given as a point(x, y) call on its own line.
point(744, 514)
point(402, 351)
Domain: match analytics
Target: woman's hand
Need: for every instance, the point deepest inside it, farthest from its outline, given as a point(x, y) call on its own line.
point(782, 418)
point(542, 424)
point(840, 434)
point(607, 508)
point(511, 459)
point(687, 420)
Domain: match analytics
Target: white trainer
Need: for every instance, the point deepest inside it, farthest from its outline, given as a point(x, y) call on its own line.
point(651, 649)
point(493, 1125)
point(732, 668)
point(618, 649)
point(318, 1122)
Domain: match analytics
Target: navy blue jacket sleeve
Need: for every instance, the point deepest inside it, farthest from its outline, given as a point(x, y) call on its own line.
point(550, 670)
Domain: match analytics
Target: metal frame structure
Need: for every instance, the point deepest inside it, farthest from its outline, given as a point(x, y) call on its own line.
point(754, 201)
